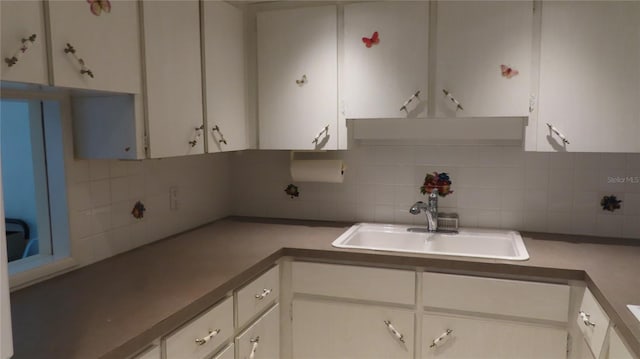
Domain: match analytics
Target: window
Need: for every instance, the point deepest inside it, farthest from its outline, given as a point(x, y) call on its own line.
point(33, 182)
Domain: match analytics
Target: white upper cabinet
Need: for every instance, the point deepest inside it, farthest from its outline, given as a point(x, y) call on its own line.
point(383, 72)
point(96, 46)
point(483, 58)
point(173, 78)
point(223, 39)
point(297, 78)
point(589, 77)
point(24, 57)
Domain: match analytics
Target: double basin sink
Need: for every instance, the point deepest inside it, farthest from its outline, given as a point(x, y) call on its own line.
point(479, 243)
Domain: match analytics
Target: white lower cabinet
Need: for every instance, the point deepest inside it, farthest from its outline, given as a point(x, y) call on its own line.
point(593, 323)
point(201, 337)
point(262, 339)
point(226, 353)
point(451, 336)
point(328, 329)
point(617, 348)
point(151, 353)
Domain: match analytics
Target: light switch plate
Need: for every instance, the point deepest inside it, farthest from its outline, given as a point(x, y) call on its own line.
point(635, 309)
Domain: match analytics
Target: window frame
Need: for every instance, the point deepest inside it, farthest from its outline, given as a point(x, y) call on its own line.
point(60, 259)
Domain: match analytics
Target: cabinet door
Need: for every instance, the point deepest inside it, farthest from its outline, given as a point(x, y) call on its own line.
point(617, 348)
point(471, 337)
point(223, 38)
point(473, 41)
point(379, 79)
point(108, 44)
point(173, 78)
point(23, 60)
point(323, 329)
point(262, 339)
point(297, 78)
point(590, 76)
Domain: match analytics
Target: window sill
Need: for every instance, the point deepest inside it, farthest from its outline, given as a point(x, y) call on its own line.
point(35, 269)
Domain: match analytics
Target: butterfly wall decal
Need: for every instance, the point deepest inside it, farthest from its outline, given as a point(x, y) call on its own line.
point(98, 6)
point(508, 72)
point(371, 41)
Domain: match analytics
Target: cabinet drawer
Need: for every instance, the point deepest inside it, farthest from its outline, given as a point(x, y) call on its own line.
point(258, 295)
point(226, 353)
point(151, 353)
point(182, 344)
point(262, 338)
point(496, 296)
point(374, 284)
point(593, 322)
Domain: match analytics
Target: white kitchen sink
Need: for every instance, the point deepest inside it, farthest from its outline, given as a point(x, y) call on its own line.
point(480, 243)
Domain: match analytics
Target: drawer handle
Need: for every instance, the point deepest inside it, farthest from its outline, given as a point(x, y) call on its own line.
point(264, 294)
point(254, 346)
point(25, 43)
point(217, 129)
point(558, 133)
point(394, 331)
point(586, 319)
point(205, 340)
point(453, 99)
point(406, 103)
point(197, 137)
point(324, 131)
point(441, 339)
point(84, 70)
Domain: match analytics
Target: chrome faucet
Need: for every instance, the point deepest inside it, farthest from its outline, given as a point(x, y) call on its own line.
point(430, 209)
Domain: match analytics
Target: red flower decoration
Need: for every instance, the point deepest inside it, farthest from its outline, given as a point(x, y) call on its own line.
point(441, 181)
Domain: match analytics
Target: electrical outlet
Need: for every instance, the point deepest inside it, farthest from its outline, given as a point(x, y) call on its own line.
point(173, 198)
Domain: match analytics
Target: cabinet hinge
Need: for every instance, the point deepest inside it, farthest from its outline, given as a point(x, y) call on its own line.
point(532, 103)
point(568, 345)
point(291, 312)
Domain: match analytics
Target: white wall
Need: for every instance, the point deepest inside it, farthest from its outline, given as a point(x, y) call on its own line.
point(102, 194)
point(494, 187)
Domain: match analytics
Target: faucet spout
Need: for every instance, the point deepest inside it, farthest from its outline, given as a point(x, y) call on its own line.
point(430, 209)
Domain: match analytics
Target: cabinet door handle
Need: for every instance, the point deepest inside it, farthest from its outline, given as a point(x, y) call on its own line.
point(394, 331)
point(25, 43)
point(194, 142)
point(206, 339)
point(558, 133)
point(264, 294)
point(406, 103)
point(302, 81)
point(217, 129)
point(84, 70)
point(453, 99)
point(325, 131)
point(254, 346)
point(586, 319)
point(441, 339)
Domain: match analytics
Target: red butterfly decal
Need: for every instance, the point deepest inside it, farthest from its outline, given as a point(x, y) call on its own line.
point(371, 41)
point(508, 72)
point(98, 6)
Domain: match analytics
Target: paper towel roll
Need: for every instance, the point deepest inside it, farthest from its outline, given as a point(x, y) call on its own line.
point(331, 171)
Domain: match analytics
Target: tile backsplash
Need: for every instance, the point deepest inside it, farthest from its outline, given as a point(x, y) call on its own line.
point(102, 194)
point(495, 187)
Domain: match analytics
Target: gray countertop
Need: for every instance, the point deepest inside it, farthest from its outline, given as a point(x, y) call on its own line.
point(114, 308)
